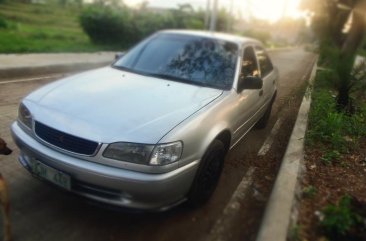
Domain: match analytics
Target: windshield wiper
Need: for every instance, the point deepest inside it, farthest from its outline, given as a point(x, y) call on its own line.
point(122, 68)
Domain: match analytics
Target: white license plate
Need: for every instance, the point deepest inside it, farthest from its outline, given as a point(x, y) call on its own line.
point(41, 170)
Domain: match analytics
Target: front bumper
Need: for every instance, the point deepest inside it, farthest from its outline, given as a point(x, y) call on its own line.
point(108, 184)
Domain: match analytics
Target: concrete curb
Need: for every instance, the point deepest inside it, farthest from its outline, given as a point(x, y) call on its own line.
point(276, 221)
point(17, 72)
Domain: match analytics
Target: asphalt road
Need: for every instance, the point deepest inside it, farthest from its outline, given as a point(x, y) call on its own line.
point(41, 212)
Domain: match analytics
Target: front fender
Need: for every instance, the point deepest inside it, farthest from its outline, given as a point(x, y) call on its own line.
point(198, 131)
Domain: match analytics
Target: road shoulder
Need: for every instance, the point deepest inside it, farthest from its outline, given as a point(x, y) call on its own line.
point(278, 211)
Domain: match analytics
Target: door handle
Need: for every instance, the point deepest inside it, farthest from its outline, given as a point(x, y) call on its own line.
point(260, 92)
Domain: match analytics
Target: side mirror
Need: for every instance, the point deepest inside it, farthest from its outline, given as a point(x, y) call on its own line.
point(250, 83)
point(119, 55)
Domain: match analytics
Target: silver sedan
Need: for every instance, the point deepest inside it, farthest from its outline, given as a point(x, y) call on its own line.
point(152, 130)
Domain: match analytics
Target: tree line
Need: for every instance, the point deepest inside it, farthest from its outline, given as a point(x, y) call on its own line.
point(340, 29)
point(117, 24)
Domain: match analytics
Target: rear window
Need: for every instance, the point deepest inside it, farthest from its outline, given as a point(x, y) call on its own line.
point(265, 64)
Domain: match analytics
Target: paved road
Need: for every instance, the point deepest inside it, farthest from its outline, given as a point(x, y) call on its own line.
point(16, 65)
point(39, 212)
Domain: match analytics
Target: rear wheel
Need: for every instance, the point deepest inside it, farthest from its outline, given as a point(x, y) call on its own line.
point(208, 174)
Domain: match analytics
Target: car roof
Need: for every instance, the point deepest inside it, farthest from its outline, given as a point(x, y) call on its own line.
point(216, 35)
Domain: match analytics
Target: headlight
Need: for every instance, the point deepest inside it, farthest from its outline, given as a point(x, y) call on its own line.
point(25, 116)
point(166, 153)
point(145, 154)
point(129, 152)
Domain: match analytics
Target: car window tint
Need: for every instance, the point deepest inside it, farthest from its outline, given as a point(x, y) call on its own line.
point(265, 63)
point(249, 64)
point(196, 59)
point(131, 56)
point(151, 61)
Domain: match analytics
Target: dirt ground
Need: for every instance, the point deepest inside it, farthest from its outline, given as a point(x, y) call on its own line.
point(331, 182)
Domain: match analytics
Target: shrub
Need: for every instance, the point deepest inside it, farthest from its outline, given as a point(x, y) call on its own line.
point(326, 124)
point(123, 26)
point(3, 23)
point(104, 24)
point(340, 219)
point(337, 131)
point(147, 23)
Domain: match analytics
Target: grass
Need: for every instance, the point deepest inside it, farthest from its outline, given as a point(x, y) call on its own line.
point(336, 132)
point(309, 191)
point(335, 150)
point(294, 233)
point(331, 157)
point(42, 28)
point(340, 219)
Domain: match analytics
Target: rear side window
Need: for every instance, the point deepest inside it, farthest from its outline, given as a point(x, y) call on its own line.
point(265, 63)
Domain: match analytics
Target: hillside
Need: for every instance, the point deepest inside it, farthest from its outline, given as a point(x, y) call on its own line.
point(42, 28)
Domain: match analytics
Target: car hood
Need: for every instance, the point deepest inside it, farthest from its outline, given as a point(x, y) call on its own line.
point(109, 105)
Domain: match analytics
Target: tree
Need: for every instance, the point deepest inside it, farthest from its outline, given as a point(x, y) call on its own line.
point(330, 18)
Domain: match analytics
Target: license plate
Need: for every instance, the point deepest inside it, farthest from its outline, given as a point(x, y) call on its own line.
point(45, 172)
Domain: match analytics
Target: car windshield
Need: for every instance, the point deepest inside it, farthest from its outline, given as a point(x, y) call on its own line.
point(189, 59)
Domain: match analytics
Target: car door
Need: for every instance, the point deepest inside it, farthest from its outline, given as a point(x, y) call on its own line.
point(267, 73)
point(248, 100)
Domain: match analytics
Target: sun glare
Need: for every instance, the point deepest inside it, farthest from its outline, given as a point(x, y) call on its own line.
point(271, 10)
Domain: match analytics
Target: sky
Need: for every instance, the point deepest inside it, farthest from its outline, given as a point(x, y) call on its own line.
point(270, 10)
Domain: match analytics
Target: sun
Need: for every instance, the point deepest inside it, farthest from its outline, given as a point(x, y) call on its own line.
point(270, 10)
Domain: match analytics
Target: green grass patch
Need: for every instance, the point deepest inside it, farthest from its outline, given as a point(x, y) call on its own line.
point(294, 233)
point(331, 156)
point(329, 129)
point(339, 219)
point(43, 28)
point(309, 191)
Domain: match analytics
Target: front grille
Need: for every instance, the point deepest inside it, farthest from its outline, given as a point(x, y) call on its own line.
point(65, 141)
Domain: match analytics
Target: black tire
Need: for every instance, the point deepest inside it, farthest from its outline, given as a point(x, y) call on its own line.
point(208, 175)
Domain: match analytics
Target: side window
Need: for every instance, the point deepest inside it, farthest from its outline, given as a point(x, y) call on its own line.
point(249, 64)
point(265, 63)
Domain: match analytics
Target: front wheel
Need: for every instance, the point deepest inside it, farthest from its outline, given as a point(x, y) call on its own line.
point(208, 174)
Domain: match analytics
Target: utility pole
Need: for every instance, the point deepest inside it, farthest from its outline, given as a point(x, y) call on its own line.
point(214, 16)
point(207, 13)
